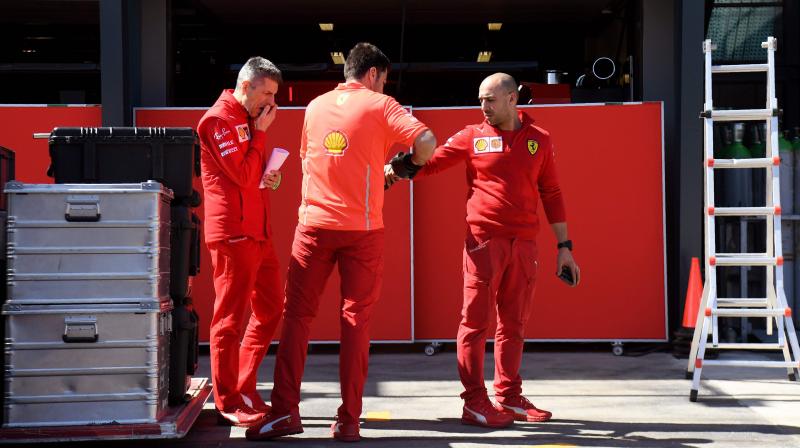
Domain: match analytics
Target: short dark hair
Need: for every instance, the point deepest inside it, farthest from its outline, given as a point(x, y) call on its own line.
point(257, 68)
point(363, 56)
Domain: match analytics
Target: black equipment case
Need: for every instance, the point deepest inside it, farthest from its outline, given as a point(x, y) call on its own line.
point(125, 155)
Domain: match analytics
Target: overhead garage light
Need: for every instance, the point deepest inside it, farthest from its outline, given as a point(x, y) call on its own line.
point(484, 56)
point(326, 26)
point(495, 26)
point(337, 57)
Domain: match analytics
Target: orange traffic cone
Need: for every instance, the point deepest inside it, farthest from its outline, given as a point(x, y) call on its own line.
point(682, 343)
point(694, 293)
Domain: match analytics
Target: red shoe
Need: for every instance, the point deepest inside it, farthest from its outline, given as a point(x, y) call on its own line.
point(254, 400)
point(243, 416)
point(522, 409)
point(483, 413)
point(272, 426)
point(345, 432)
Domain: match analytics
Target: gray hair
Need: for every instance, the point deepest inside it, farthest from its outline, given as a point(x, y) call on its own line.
point(257, 68)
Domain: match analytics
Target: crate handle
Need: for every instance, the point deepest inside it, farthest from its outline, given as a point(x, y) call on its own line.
point(84, 208)
point(80, 329)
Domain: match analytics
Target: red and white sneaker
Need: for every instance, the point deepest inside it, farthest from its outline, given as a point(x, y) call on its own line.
point(254, 401)
point(522, 409)
point(243, 416)
point(483, 413)
point(345, 432)
point(272, 426)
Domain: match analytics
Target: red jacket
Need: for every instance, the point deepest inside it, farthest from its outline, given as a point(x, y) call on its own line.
point(507, 173)
point(232, 161)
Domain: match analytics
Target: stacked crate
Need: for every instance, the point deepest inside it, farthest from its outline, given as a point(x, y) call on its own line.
point(99, 326)
point(88, 315)
point(7, 173)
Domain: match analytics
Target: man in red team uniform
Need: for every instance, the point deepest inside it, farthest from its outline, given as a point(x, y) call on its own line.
point(347, 134)
point(510, 167)
point(237, 232)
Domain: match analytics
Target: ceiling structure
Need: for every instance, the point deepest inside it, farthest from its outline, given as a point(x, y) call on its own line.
point(436, 41)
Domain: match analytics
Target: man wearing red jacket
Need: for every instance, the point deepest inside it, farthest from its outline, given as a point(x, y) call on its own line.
point(510, 167)
point(347, 134)
point(237, 232)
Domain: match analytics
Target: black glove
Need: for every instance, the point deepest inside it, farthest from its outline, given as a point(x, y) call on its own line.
point(403, 167)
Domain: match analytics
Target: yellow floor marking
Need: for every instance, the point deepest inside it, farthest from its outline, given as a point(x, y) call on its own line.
point(378, 416)
point(552, 445)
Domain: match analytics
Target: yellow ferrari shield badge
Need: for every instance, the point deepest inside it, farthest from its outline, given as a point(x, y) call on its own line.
point(533, 146)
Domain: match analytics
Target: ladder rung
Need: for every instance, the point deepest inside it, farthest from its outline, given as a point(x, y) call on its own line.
point(745, 312)
point(743, 163)
point(739, 68)
point(743, 211)
point(739, 115)
point(746, 363)
point(741, 302)
point(744, 260)
point(745, 346)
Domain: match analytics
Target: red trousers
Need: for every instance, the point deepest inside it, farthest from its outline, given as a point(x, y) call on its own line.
point(500, 273)
point(359, 255)
point(244, 271)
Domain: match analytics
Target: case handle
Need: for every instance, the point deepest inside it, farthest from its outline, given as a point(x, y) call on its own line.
point(82, 208)
point(80, 329)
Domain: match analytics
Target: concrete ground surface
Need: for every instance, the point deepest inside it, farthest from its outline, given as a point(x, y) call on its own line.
point(597, 400)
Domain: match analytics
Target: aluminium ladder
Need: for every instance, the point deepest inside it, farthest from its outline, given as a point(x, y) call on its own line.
point(774, 306)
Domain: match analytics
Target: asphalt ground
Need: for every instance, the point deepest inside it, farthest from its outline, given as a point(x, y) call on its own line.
point(597, 400)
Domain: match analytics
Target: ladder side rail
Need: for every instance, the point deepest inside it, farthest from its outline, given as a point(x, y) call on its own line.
point(774, 278)
point(794, 354)
point(707, 48)
point(701, 332)
point(771, 45)
point(701, 350)
point(708, 222)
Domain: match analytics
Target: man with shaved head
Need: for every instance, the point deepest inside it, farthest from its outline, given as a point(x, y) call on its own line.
point(510, 168)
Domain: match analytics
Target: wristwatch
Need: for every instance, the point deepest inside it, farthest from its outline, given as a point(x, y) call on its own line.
point(566, 243)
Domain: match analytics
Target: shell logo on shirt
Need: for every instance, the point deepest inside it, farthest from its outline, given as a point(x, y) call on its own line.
point(243, 131)
point(335, 142)
point(533, 146)
point(484, 145)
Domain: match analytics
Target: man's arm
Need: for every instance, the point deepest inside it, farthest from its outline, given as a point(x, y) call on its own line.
point(443, 157)
point(565, 254)
point(424, 145)
point(406, 166)
point(241, 162)
point(553, 204)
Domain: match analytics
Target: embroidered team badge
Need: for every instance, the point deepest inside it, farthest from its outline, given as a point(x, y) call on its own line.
point(533, 146)
point(335, 142)
point(243, 131)
point(483, 145)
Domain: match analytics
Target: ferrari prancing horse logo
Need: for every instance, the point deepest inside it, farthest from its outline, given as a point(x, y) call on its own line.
point(533, 146)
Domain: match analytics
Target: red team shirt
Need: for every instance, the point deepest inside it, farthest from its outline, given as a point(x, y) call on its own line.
point(507, 173)
point(232, 158)
point(346, 137)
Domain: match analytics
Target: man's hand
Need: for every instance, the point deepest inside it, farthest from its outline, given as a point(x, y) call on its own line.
point(389, 178)
point(403, 167)
point(565, 260)
point(266, 117)
point(273, 179)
